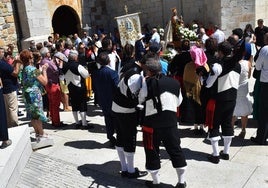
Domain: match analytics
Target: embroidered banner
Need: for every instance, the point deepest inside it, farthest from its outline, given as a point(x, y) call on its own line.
point(129, 27)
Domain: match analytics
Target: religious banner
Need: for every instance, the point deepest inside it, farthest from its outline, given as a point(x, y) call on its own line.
point(129, 26)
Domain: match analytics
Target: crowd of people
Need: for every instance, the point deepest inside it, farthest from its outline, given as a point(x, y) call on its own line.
point(205, 85)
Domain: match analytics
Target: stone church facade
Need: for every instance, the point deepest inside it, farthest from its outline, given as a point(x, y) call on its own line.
point(24, 20)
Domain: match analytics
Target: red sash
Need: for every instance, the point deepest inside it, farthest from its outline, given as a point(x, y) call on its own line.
point(148, 137)
point(210, 113)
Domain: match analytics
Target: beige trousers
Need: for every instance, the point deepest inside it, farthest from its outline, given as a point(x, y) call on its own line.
point(11, 104)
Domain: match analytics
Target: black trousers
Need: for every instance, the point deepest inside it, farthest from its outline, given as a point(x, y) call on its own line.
point(171, 141)
point(3, 118)
point(78, 97)
point(126, 130)
point(262, 131)
point(223, 117)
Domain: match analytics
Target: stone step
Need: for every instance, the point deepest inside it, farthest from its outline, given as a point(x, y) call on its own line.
point(43, 171)
point(14, 158)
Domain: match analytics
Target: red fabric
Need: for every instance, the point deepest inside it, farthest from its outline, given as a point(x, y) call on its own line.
point(54, 96)
point(210, 113)
point(88, 53)
point(148, 137)
point(209, 32)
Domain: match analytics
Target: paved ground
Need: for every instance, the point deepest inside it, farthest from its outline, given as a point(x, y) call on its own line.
point(82, 158)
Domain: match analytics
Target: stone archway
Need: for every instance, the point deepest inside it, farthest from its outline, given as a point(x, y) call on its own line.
point(65, 21)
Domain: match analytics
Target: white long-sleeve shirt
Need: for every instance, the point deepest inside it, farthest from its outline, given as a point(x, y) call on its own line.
point(262, 64)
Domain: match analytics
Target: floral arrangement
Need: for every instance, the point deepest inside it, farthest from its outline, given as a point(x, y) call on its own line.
point(169, 54)
point(186, 33)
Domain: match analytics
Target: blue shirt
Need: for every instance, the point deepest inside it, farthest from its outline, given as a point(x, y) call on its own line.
point(10, 82)
point(164, 65)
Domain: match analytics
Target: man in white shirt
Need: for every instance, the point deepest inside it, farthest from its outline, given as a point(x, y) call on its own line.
point(77, 40)
point(203, 35)
point(218, 34)
point(262, 65)
point(155, 37)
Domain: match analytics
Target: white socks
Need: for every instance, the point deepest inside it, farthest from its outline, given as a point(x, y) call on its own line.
point(122, 158)
point(181, 174)
point(130, 161)
point(227, 143)
point(75, 114)
point(155, 176)
point(83, 118)
point(215, 147)
point(215, 144)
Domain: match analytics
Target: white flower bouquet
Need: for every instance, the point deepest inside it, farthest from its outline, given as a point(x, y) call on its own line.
point(186, 33)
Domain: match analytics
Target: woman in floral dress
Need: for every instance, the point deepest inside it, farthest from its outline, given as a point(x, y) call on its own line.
point(33, 81)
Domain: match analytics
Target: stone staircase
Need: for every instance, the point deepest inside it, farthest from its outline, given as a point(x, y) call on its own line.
point(14, 158)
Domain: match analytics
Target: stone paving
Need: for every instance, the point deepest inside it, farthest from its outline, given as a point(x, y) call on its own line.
point(82, 158)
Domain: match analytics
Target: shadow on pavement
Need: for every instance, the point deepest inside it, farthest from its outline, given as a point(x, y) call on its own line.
point(87, 144)
point(99, 176)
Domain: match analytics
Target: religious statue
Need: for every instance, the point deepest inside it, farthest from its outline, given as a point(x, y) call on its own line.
point(176, 22)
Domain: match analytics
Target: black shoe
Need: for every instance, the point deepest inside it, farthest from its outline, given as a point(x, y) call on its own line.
point(123, 174)
point(213, 159)
point(137, 174)
point(224, 156)
point(181, 185)
point(151, 185)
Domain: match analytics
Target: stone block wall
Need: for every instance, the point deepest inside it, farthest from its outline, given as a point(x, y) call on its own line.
point(95, 14)
point(261, 11)
point(237, 13)
point(35, 16)
point(7, 24)
point(155, 12)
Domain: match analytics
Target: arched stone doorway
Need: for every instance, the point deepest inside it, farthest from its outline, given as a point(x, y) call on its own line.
point(65, 21)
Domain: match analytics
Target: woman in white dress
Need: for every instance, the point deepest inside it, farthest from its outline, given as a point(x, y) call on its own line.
point(243, 106)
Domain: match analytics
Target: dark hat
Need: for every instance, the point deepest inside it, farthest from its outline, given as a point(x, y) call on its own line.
point(238, 32)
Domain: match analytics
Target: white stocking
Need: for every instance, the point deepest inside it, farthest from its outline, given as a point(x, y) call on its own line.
point(83, 118)
point(155, 176)
point(130, 161)
point(75, 114)
point(227, 143)
point(181, 174)
point(122, 158)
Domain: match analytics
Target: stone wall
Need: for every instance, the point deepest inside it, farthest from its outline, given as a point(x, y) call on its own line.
point(95, 14)
point(237, 14)
point(261, 11)
point(155, 12)
point(7, 24)
point(35, 16)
